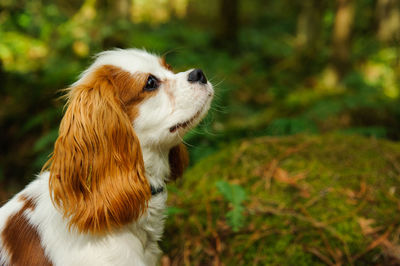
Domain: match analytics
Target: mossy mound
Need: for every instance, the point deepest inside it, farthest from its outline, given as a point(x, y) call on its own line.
point(311, 200)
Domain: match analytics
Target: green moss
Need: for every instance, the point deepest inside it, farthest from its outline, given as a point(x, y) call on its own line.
point(314, 220)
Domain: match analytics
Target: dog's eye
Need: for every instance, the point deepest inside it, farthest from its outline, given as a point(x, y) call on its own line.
point(151, 84)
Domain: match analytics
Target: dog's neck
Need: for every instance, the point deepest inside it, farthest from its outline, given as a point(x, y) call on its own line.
point(156, 165)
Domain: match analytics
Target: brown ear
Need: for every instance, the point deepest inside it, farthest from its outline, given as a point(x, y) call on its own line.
point(97, 176)
point(178, 158)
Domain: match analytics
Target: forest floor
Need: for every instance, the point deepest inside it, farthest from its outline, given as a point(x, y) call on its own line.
point(298, 200)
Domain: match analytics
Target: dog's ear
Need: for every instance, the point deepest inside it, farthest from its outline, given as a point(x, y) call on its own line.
point(178, 158)
point(97, 176)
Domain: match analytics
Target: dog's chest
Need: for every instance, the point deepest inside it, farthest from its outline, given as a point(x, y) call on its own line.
point(149, 228)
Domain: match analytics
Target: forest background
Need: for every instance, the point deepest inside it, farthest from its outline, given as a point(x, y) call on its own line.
point(285, 72)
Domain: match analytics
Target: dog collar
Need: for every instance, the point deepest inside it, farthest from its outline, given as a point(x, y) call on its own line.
point(155, 191)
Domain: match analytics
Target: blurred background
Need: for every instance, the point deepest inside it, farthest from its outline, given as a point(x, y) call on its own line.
point(279, 68)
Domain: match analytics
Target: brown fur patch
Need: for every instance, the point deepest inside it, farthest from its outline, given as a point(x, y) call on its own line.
point(164, 64)
point(21, 239)
point(97, 175)
point(178, 158)
point(128, 87)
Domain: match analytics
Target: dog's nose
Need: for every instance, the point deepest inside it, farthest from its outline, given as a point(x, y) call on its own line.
point(197, 75)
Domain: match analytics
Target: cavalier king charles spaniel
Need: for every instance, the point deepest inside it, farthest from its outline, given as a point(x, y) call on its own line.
point(101, 197)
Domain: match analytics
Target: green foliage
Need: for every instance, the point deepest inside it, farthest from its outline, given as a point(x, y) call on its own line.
point(290, 126)
point(235, 195)
point(14, 49)
point(377, 132)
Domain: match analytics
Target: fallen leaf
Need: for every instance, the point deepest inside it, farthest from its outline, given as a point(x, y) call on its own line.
point(363, 189)
point(366, 226)
point(391, 249)
point(282, 176)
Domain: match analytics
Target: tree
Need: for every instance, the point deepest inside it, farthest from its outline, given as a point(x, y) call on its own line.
point(228, 24)
point(388, 16)
point(309, 25)
point(341, 40)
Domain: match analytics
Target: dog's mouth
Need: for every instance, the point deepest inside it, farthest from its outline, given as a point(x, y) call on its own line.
point(184, 124)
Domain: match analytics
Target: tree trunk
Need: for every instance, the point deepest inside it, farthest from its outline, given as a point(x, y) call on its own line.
point(228, 24)
point(308, 25)
point(344, 19)
point(122, 7)
point(388, 15)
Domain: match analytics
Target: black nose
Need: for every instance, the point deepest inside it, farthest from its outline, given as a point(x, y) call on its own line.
point(197, 75)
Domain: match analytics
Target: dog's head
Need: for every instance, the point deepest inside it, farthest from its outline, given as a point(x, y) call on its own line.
point(125, 101)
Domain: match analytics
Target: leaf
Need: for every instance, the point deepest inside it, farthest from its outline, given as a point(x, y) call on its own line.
point(239, 194)
point(235, 218)
point(391, 249)
point(225, 189)
point(366, 226)
point(235, 195)
point(282, 176)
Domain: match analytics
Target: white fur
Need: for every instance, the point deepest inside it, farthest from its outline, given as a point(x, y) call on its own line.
point(134, 244)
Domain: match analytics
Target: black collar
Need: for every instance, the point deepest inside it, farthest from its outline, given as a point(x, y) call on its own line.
point(155, 191)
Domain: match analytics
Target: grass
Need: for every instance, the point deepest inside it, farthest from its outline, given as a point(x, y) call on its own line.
point(311, 200)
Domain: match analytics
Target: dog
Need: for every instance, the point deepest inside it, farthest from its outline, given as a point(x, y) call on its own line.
point(101, 197)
